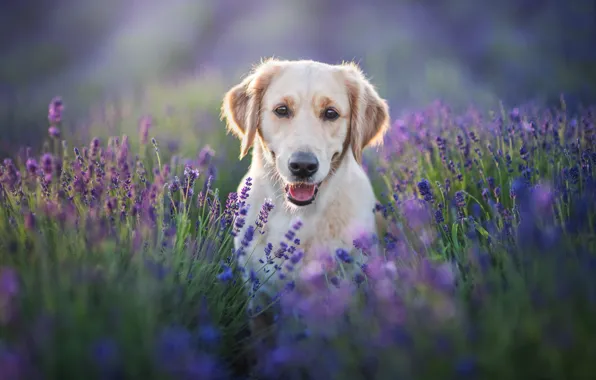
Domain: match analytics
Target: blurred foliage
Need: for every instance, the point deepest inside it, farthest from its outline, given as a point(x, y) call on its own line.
point(460, 51)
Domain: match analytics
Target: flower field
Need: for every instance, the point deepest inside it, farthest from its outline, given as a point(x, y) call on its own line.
point(117, 262)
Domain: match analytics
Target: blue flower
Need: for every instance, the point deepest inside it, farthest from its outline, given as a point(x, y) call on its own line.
point(226, 275)
point(359, 278)
point(248, 236)
point(203, 366)
point(296, 257)
point(172, 346)
point(158, 270)
point(343, 255)
point(425, 190)
point(402, 337)
point(105, 354)
point(466, 366)
point(209, 334)
point(335, 281)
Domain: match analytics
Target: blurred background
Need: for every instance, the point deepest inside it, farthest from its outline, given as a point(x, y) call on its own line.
point(113, 61)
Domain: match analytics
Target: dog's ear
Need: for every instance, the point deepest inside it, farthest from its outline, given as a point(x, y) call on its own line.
point(242, 104)
point(369, 119)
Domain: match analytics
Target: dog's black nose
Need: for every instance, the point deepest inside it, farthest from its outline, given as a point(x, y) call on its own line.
point(303, 164)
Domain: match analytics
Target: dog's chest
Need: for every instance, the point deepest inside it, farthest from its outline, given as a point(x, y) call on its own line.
point(329, 229)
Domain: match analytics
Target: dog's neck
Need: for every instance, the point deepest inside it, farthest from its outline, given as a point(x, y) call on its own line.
point(276, 190)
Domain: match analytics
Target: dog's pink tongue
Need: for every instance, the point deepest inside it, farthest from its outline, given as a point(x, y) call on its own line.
point(302, 192)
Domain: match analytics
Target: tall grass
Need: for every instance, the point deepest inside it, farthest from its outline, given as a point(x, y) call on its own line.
point(116, 259)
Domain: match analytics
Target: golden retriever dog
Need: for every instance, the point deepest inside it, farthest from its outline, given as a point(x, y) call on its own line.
point(307, 123)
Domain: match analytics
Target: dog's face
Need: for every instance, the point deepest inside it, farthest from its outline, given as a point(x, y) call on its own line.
point(305, 121)
point(308, 117)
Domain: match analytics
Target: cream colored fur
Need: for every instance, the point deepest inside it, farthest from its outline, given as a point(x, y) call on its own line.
point(344, 205)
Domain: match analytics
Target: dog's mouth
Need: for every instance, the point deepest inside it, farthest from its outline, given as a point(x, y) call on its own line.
point(302, 194)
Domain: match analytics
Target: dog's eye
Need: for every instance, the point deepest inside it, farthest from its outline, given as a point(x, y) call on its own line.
point(330, 114)
point(282, 111)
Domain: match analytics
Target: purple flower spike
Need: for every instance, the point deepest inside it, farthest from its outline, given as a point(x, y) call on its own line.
point(9, 288)
point(55, 111)
point(29, 221)
point(344, 256)
point(144, 127)
point(426, 191)
point(10, 364)
point(9, 284)
point(54, 132)
point(205, 156)
point(226, 275)
point(32, 166)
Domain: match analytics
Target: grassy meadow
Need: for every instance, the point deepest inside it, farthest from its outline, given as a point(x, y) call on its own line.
point(117, 262)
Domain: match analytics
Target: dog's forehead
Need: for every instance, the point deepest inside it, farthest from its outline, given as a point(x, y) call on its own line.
point(305, 81)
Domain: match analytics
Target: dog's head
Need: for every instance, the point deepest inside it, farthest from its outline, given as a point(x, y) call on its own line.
point(307, 117)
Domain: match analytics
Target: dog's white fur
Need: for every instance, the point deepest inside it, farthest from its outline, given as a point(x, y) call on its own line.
point(344, 204)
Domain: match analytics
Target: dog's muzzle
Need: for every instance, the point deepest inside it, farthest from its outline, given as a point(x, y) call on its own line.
point(302, 194)
point(303, 166)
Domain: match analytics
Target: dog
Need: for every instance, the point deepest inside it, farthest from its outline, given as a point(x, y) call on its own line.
point(307, 123)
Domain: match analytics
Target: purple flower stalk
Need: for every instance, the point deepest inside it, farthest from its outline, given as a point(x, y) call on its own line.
point(426, 191)
point(264, 215)
point(144, 127)
point(344, 256)
point(54, 132)
point(55, 111)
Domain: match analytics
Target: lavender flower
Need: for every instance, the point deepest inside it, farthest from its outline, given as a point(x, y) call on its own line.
point(344, 256)
point(297, 225)
point(465, 366)
point(460, 200)
point(205, 156)
point(226, 275)
point(245, 190)
point(249, 234)
point(29, 221)
point(9, 289)
point(54, 132)
point(32, 166)
point(55, 110)
point(425, 190)
point(144, 127)
point(103, 215)
point(439, 216)
point(105, 354)
point(11, 364)
point(264, 215)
